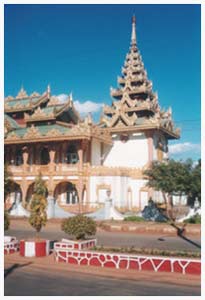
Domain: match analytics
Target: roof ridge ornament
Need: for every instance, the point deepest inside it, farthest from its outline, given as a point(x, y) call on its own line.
point(22, 93)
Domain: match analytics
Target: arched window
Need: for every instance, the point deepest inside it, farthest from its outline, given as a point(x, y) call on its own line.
point(44, 156)
point(71, 194)
point(18, 157)
point(72, 155)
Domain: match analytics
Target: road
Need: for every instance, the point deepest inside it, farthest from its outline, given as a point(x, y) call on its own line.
point(22, 229)
point(44, 277)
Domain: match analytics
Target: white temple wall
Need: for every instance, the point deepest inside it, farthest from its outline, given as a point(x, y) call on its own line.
point(132, 153)
point(125, 191)
point(95, 152)
point(155, 139)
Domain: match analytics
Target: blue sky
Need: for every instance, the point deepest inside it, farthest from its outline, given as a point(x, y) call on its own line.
point(81, 49)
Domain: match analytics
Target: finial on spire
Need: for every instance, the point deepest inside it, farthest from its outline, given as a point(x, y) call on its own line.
point(133, 36)
point(48, 89)
point(71, 96)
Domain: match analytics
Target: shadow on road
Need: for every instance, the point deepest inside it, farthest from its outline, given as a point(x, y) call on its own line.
point(180, 233)
point(8, 271)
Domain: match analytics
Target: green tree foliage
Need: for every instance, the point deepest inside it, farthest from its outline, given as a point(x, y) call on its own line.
point(6, 220)
point(194, 189)
point(79, 226)
point(175, 177)
point(8, 182)
point(38, 217)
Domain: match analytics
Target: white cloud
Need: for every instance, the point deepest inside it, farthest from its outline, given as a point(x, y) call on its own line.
point(62, 97)
point(87, 107)
point(83, 108)
point(184, 147)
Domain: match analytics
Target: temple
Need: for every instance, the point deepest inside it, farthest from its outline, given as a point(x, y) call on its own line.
point(80, 161)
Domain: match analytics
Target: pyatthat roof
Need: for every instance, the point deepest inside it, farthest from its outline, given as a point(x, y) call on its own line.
point(23, 102)
point(53, 110)
point(136, 106)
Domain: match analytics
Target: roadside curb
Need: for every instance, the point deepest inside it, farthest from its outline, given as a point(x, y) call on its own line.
point(127, 261)
point(152, 228)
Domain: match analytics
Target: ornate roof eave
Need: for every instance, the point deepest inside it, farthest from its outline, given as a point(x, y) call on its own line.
point(11, 110)
point(142, 108)
point(136, 90)
point(36, 119)
point(56, 139)
point(69, 104)
point(78, 132)
point(135, 128)
point(170, 134)
point(68, 125)
point(43, 98)
point(45, 139)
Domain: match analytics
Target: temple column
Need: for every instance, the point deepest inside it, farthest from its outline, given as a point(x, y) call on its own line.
point(80, 170)
point(88, 192)
point(80, 155)
point(24, 189)
point(25, 159)
point(89, 153)
point(52, 153)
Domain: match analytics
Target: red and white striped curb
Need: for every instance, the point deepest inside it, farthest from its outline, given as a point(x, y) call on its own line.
point(126, 261)
point(11, 244)
point(80, 245)
point(34, 248)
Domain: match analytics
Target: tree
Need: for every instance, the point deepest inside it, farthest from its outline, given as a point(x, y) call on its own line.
point(174, 177)
point(8, 182)
point(194, 189)
point(38, 217)
point(6, 220)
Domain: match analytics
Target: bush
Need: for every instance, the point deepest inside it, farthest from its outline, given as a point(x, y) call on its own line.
point(134, 219)
point(6, 220)
point(194, 220)
point(79, 226)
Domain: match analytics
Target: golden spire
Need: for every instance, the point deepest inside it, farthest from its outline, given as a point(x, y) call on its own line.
point(133, 36)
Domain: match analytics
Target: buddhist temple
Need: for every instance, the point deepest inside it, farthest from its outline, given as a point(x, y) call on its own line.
point(82, 162)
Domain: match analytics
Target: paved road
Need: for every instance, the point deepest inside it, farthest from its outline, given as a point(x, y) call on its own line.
point(28, 278)
point(114, 239)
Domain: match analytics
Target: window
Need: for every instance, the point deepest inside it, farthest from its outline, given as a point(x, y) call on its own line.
point(18, 158)
point(44, 156)
point(72, 155)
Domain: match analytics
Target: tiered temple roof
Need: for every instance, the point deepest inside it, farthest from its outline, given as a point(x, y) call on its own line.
point(45, 118)
point(23, 102)
point(136, 106)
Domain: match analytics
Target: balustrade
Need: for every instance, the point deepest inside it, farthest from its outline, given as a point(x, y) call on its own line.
point(57, 169)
